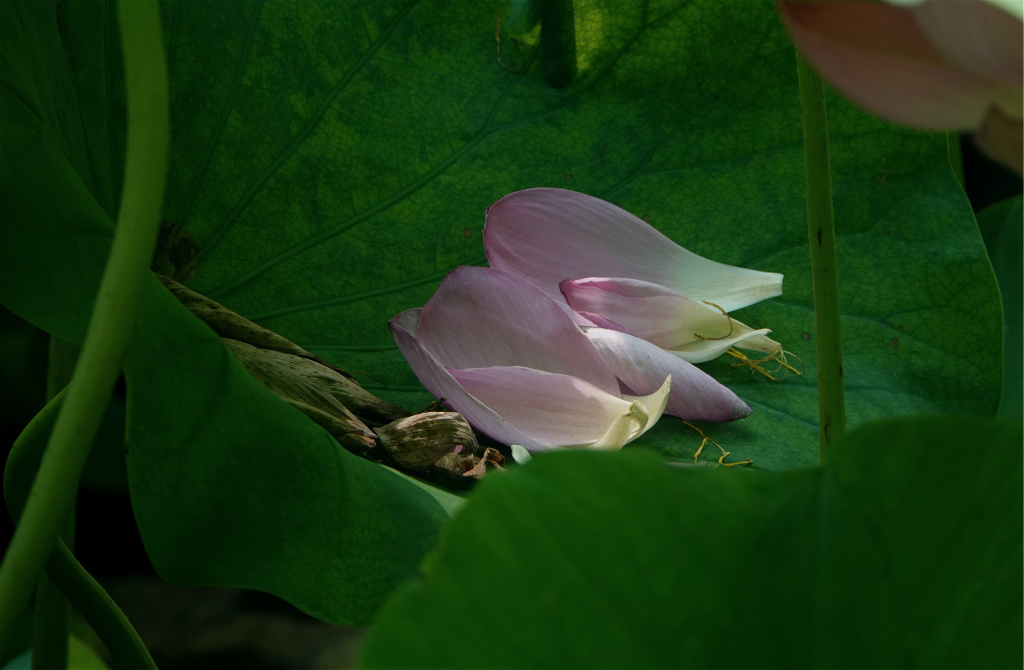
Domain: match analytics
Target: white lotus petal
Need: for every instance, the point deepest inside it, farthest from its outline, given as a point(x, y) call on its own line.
point(703, 351)
point(520, 454)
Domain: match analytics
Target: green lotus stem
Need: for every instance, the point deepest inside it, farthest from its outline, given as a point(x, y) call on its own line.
point(63, 570)
point(821, 233)
point(50, 619)
point(49, 627)
point(61, 364)
point(110, 326)
point(558, 43)
point(99, 609)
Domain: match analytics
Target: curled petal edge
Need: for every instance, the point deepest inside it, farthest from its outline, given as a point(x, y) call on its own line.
point(643, 413)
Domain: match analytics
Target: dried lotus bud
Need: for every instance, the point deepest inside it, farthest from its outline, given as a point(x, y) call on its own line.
point(230, 325)
point(325, 380)
point(272, 369)
point(334, 380)
point(417, 441)
point(460, 470)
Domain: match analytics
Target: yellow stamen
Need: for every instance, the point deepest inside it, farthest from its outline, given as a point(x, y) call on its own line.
point(779, 357)
point(704, 443)
point(725, 314)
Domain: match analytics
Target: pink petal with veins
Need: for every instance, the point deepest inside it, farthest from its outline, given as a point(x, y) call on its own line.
point(547, 235)
point(553, 409)
point(514, 364)
point(442, 384)
point(481, 317)
point(639, 364)
point(696, 332)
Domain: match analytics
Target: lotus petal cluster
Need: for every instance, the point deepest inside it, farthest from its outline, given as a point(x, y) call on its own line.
point(932, 64)
point(517, 368)
point(584, 330)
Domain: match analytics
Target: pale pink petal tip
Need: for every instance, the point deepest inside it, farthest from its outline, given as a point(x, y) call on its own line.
point(547, 235)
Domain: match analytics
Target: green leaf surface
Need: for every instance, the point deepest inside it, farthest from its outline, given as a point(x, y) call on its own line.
point(899, 552)
point(339, 161)
point(266, 499)
point(1001, 226)
point(230, 485)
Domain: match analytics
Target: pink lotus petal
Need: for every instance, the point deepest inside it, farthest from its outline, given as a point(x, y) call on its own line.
point(555, 410)
point(441, 384)
point(642, 365)
point(975, 36)
point(547, 235)
point(879, 57)
point(1001, 138)
point(599, 321)
point(694, 331)
point(482, 317)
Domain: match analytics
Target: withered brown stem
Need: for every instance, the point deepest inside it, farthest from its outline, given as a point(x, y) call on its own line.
point(437, 444)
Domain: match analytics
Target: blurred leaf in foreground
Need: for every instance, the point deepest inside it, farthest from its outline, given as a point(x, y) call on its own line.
point(903, 551)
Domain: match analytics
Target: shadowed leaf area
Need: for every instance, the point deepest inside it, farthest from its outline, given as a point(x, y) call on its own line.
point(1000, 224)
point(904, 550)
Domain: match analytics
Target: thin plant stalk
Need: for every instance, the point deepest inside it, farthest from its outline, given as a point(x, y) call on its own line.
point(113, 316)
point(67, 574)
point(821, 233)
point(50, 618)
point(49, 627)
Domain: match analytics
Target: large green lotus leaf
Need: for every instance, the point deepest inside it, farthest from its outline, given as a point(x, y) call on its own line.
point(233, 487)
point(1004, 238)
point(333, 161)
point(904, 550)
point(230, 486)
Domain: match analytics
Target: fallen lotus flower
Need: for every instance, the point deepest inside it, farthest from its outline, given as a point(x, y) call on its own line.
point(695, 332)
point(548, 235)
point(516, 367)
point(612, 270)
point(936, 65)
point(513, 363)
